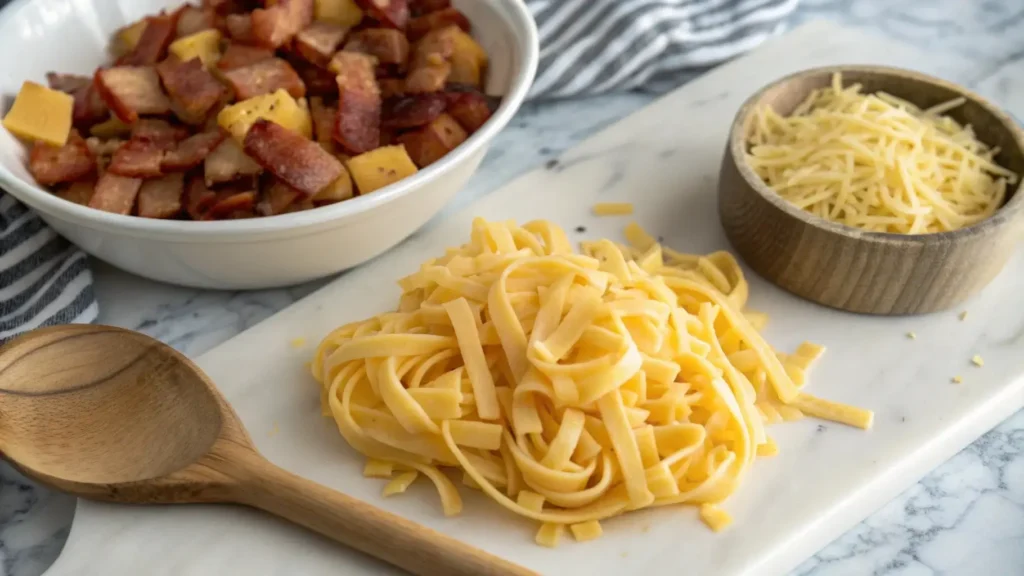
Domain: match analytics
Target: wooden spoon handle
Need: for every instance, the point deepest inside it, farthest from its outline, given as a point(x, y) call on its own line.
point(359, 525)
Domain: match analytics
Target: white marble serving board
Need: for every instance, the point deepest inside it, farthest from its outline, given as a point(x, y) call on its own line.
point(665, 159)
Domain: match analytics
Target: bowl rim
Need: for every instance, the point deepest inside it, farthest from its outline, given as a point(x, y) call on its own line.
point(1010, 211)
point(514, 16)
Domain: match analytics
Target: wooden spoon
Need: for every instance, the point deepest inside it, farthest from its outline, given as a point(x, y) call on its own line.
point(113, 415)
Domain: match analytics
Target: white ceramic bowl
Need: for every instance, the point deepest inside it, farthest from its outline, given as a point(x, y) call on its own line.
point(72, 36)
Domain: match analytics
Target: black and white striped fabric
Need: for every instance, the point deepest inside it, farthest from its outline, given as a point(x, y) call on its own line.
point(593, 47)
point(43, 279)
point(588, 47)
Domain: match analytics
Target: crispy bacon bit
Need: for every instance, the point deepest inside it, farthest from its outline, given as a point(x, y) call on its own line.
point(412, 111)
point(67, 83)
point(131, 90)
point(318, 81)
point(390, 87)
point(240, 27)
point(387, 45)
point(153, 43)
point(161, 198)
point(191, 152)
point(241, 55)
point(192, 20)
point(89, 108)
point(265, 77)
point(137, 159)
point(428, 144)
point(193, 90)
point(470, 109)
point(159, 132)
point(55, 164)
point(229, 162)
point(277, 198)
point(224, 6)
point(294, 160)
point(359, 102)
point(324, 119)
point(391, 13)
point(100, 147)
point(115, 193)
point(198, 198)
point(419, 27)
point(320, 41)
point(421, 7)
point(229, 204)
point(78, 192)
point(275, 26)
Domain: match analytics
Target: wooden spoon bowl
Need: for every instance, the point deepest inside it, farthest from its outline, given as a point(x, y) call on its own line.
point(109, 414)
point(852, 269)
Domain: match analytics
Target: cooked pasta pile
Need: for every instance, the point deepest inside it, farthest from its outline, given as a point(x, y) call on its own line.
point(568, 387)
point(877, 162)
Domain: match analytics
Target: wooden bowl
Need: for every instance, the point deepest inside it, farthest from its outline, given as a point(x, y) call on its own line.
point(852, 269)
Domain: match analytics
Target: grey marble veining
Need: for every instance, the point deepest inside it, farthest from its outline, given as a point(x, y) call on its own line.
point(965, 518)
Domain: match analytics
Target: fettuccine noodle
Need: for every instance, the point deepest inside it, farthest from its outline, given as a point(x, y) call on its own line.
point(568, 387)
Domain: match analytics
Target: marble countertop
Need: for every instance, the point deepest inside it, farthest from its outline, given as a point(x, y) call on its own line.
point(965, 518)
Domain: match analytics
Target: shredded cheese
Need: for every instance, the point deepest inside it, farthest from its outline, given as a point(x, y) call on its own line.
point(569, 387)
point(877, 162)
point(978, 361)
point(716, 518)
point(613, 209)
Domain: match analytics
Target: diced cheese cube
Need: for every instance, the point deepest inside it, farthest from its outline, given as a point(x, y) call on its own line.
point(378, 168)
point(341, 12)
point(41, 114)
point(204, 45)
point(279, 108)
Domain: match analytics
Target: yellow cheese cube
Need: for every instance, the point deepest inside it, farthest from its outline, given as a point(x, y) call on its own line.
point(341, 12)
point(41, 114)
point(378, 168)
point(127, 38)
point(468, 59)
point(204, 45)
point(113, 127)
point(279, 108)
point(305, 119)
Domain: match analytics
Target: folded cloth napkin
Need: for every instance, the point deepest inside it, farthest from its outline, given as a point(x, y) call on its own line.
point(587, 47)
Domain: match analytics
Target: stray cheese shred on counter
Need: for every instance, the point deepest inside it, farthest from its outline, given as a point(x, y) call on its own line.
point(876, 162)
point(569, 387)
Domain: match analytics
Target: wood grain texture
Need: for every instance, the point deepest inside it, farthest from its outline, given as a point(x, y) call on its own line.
point(856, 270)
point(113, 415)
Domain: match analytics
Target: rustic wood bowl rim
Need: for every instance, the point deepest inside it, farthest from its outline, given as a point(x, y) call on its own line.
point(1011, 210)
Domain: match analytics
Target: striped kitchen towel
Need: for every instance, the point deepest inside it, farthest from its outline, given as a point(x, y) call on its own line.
point(587, 47)
point(596, 46)
point(43, 279)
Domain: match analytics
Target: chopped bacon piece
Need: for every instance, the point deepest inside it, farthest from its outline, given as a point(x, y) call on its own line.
point(89, 108)
point(428, 144)
point(78, 192)
point(301, 205)
point(434, 49)
point(51, 164)
point(275, 26)
point(265, 77)
point(67, 83)
point(198, 198)
point(241, 55)
point(229, 162)
point(390, 87)
point(137, 159)
point(320, 41)
point(277, 198)
point(192, 20)
point(419, 27)
point(421, 7)
point(152, 47)
point(296, 161)
point(115, 193)
point(470, 109)
point(224, 6)
point(412, 111)
point(194, 90)
point(387, 45)
point(359, 102)
point(324, 119)
point(100, 147)
point(240, 27)
point(318, 81)
point(132, 90)
point(391, 13)
point(161, 198)
point(229, 203)
point(159, 132)
point(192, 151)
